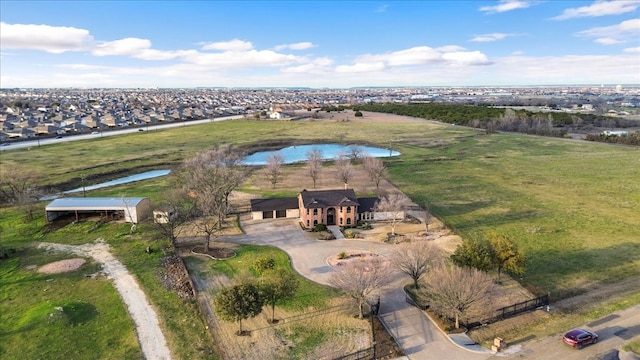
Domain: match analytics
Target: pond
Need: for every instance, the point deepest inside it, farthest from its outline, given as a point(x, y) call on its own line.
point(298, 153)
point(127, 179)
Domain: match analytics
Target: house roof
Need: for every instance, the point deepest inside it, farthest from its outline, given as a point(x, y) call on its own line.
point(325, 198)
point(274, 204)
point(367, 204)
point(93, 203)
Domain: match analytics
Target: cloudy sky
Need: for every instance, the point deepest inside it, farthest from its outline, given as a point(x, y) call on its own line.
point(336, 44)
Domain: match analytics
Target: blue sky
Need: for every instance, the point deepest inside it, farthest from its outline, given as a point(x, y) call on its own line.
point(336, 44)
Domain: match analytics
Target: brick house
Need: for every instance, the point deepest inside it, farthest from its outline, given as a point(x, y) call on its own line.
point(331, 207)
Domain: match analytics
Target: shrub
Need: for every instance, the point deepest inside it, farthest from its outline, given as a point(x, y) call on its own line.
point(263, 263)
point(326, 235)
point(320, 227)
point(358, 114)
point(350, 234)
point(365, 226)
point(342, 255)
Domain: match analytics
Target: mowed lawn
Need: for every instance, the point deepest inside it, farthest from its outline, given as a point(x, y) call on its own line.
point(572, 207)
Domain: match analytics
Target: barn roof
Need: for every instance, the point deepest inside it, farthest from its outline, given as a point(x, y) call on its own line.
point(93, 203)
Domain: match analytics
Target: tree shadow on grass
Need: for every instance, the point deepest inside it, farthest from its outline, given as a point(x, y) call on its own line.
point(554, 269)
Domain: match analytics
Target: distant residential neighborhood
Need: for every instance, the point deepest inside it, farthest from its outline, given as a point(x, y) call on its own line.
point(41, 113)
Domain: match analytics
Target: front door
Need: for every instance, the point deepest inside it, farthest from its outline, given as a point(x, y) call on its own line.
point(331, 216)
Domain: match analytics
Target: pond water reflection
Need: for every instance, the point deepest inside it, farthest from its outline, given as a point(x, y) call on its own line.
point(298, 153)
point(127, 179)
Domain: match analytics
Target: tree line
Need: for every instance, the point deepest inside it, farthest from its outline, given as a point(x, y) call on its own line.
point(554, 124)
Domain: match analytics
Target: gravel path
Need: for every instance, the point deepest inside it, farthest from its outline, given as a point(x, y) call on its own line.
point(152, 341)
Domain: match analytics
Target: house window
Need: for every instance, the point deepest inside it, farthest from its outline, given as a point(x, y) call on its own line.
point(348, 209)
point(315, 211)
point(348, 221)
point(340, 221)
point(307, 211)
point(315, 222)
point(340, 208)
point(307, 222)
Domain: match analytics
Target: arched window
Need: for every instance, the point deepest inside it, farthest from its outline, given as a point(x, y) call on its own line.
point(315, 211)
point(348, 209)
point(348, 221)
point(315, 222)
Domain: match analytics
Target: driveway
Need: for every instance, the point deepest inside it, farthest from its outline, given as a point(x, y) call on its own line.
point(415, 333)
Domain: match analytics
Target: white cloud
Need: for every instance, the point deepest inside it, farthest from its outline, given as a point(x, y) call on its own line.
point(243, 59)
point(569, 69)
point(296, 46)
point(52, 39)
point(382, 8)
point(600, 8)
point(490, 37)
point(450, 48)
point(506, 5)
point(232, 45)
point(319, 65)
point(607, 41)
point(628, 29)
point(466, 58)
point(632, 50)
point(361, 67)
point(416, 56)
point(122, 47)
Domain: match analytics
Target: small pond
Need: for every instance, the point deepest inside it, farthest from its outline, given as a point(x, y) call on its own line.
point(298, 153)
point(128, 179)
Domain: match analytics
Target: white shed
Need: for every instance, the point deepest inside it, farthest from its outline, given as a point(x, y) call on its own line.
point(131, 209)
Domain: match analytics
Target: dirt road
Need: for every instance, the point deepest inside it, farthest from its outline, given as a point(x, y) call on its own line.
point(152, 341)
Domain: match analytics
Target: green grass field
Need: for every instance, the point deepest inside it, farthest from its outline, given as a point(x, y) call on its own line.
point(572, 207)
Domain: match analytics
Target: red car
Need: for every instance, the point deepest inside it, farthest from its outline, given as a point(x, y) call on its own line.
point(579, 338)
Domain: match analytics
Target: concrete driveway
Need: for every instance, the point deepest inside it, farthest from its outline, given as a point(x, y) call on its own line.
point(415, 333)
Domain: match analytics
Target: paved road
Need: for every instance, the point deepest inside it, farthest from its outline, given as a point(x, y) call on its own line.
point(614, 331)
point(416, 334)
point(48, 141)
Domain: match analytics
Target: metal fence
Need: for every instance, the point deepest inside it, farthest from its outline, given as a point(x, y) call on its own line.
point(518, 308)
point(364, 354)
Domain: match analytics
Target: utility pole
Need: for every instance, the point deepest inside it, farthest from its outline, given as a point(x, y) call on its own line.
point(82, 178)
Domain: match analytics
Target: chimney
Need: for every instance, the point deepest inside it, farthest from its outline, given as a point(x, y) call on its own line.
point(346, 186)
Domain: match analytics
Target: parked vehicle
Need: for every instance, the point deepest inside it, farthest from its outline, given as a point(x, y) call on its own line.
point(95, 133)
point(579, 338)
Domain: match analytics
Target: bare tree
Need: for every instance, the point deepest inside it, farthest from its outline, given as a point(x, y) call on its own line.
point(393, 207)
point(428, 217)
point(19, 186)
point(314, 164)
point(210, 177)
point(274, 169)
point(455, 291)
point(345, 171)
point(359, 280)
point(178, 208)
point(355, 152)
point(375, 168)
point(416, 259)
